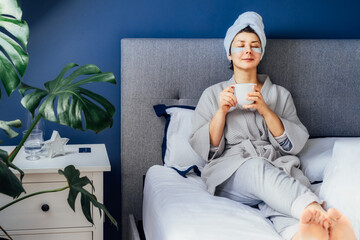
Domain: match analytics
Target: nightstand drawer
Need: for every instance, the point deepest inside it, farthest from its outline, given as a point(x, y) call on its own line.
point(55, 236)
point(49, 210)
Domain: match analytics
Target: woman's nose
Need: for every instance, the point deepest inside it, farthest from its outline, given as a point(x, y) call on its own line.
point(248, 49)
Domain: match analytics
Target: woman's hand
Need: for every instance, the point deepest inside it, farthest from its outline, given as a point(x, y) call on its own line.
point(227, 99)
point(273, 122)
point(259, 102)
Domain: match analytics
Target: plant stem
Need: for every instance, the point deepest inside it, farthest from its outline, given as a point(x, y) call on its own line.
point(17, 149)
point(30, 195)
point(5, 233)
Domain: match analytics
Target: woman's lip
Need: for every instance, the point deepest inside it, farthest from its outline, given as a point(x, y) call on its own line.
point(248, 59)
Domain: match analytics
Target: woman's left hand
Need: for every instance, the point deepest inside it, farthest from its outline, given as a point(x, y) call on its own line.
point(259, 103)
point(271, 119)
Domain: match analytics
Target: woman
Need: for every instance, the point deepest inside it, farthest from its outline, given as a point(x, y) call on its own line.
point(251, 149)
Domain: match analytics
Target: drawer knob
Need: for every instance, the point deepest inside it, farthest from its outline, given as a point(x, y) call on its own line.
point(45, 207)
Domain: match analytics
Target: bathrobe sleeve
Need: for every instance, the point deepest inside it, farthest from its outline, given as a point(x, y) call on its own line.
point(200, 136)
point(295, 130)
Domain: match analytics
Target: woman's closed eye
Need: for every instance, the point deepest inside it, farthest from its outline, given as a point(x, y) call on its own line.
point(242, 48)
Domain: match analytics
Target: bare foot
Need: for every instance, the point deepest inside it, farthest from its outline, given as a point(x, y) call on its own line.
point(323, 214)
point(312, 226)
point(341, 228)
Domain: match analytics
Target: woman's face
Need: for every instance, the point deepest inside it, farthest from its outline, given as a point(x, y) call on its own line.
point(248, 58)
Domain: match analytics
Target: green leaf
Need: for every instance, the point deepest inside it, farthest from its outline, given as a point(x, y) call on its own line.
point(77, 185)
point(8, 74)
point(14, 37)
point(10, 7)
point(9, 184)
point(65, 102)
point(5, 125)
point(16, 54)
point(32, 100)
point(52, 84)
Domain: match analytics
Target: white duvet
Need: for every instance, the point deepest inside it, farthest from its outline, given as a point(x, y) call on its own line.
point(180, 208)
point(177, 208)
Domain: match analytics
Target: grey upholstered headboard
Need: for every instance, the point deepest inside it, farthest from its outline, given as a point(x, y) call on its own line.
point(322, 75)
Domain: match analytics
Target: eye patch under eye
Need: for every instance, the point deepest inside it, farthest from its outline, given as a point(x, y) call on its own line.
point(240, 49)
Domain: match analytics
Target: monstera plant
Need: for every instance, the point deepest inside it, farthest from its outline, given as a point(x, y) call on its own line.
point(63, 100)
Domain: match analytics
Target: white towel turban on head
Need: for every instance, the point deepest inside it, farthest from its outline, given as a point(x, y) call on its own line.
point(251, 19)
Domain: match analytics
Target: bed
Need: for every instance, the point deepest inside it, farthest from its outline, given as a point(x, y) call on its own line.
point(323, 77)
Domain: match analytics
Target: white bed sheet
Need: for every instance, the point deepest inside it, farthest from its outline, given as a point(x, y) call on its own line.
point(177, 208)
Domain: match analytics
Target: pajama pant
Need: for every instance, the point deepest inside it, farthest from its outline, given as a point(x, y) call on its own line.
point(280, 197)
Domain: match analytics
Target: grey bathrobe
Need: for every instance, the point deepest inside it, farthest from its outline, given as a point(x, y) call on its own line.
point(246, 135)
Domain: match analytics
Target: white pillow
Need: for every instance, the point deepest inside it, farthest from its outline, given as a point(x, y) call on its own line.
point(177, 151)
point(315, 155)
point(340, 188)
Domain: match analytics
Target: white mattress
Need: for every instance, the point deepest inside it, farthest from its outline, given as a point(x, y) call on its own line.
point(177, 208)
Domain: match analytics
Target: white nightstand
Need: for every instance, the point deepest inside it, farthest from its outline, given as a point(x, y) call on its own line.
point(30, 219)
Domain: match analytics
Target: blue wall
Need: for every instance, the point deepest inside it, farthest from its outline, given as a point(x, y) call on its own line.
point(89, 31)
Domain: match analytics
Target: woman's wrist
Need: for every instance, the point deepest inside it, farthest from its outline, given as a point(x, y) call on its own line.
point(268, 113)
point(274, 123)
point(221, 112)
point(216, 127)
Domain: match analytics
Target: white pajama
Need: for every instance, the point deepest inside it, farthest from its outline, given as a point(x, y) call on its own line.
point(280, 197)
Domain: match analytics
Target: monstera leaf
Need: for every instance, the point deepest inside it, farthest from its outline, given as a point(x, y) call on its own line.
point(76, 185)
point(71, 100)
point(9, 183)
point(14, 35)
point(5, 125)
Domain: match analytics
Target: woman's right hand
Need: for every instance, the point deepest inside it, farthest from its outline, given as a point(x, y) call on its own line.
point(227, 99)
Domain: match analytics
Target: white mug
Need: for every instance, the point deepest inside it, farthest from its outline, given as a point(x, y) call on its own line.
point(241, 92)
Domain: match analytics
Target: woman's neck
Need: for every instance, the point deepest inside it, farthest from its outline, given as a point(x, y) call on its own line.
point(242, 76)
